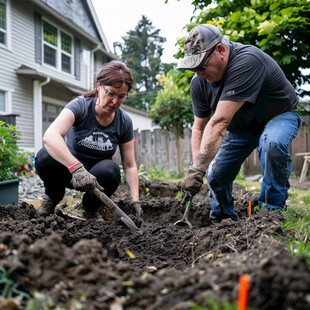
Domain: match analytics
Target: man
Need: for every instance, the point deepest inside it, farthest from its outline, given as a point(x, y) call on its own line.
point(254, 105)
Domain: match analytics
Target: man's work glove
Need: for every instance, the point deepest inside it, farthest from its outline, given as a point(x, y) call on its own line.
point(136, 209)
point(82, 180)
point(192, 183)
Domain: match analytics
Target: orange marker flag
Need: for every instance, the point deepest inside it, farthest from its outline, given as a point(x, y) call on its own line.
point(244, 282)
point(250, 211)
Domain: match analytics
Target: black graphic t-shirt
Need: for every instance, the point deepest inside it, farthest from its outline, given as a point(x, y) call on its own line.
point(251, 76)
point(91, 142)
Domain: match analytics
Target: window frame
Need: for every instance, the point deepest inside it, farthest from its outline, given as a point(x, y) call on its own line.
point(7, 100)
point(7, 31)
point(58, 49)
point(65, 53)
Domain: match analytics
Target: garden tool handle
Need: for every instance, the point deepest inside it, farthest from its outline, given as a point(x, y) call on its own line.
point(114, 208)
point(189, 202)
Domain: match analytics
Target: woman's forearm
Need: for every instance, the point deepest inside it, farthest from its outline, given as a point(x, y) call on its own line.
point(131, 176)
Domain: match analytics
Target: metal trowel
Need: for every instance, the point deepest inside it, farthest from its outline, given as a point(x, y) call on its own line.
point(184, 219)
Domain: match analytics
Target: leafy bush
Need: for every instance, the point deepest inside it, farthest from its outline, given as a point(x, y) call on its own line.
point(12, 158)
point(141, 173)
point(157, 172)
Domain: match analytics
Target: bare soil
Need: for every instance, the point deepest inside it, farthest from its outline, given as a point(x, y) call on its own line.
point(305, 185)
point(162, 266)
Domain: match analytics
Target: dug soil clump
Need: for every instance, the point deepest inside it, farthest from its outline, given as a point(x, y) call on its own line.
point(98, 262)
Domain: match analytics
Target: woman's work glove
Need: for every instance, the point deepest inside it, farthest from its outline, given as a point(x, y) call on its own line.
point(136, 209)
point(82, 180)
point(192, 182)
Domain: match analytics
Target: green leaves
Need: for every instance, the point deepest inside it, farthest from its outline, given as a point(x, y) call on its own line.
point(287, 59)
point(281, 28)
point(11, 157)
point(266, 27)
point(172, 109)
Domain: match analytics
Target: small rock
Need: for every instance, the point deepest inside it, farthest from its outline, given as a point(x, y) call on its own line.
point(151, 269)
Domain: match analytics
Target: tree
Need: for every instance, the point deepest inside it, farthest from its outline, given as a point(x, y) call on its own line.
point(142, 51)
point(281, 28)
point(172, 110)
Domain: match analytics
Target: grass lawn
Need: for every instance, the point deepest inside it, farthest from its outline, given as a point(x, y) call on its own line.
point(297, 217)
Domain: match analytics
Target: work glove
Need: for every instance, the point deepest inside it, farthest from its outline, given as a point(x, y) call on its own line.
point(192, 183)
point(82, 180)
point(136, 209)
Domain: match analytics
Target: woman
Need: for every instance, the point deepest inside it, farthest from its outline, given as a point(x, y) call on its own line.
point(80, 143)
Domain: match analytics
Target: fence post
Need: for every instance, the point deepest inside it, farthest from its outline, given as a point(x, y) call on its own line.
point(160, 150)
point(146, 148)
point(137, 147)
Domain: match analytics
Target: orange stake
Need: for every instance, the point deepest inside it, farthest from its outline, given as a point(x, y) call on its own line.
point(244, 282)
point(250, 211)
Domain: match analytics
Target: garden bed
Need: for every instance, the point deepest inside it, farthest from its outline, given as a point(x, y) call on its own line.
point(98, 263)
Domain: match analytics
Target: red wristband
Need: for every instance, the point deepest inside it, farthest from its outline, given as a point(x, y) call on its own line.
point(73, 166)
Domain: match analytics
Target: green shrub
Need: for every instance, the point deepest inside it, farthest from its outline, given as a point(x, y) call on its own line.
point(157, 172)
point(12, 158)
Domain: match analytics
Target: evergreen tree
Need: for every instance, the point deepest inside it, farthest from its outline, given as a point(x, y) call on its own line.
point(141, 51)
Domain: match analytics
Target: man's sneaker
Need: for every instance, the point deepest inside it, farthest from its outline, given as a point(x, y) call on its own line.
point(263, 207)
point(47, 207)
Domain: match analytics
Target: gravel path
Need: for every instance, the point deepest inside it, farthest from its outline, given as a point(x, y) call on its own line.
point(31, 188)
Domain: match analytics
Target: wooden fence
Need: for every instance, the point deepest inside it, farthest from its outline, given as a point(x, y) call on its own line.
point(156, 148)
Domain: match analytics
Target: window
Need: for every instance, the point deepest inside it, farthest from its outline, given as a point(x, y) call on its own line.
point(50, 44)
point(2, 101)
point(5, 100)
point(3, 21)
point(66, 52)
point(57, 48)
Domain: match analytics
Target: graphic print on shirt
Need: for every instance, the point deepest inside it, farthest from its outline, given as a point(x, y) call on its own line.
point(97, 141)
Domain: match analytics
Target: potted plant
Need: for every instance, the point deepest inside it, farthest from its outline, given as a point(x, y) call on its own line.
point(13, 161)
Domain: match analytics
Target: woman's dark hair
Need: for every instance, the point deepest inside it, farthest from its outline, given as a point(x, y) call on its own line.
point(114, 73)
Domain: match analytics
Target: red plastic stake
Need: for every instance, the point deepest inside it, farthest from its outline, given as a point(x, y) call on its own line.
point(244, 282)
point(250, 211)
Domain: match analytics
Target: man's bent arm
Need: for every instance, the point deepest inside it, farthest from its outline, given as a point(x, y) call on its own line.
point(197, 132)
point(214, 132)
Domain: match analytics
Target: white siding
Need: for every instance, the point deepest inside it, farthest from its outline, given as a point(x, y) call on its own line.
point(22, 89)
point(24, 47)
point(22, 52)
point(139, 119)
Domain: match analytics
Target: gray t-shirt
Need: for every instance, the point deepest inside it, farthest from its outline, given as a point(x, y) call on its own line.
point(251, 76)
point(91, 142)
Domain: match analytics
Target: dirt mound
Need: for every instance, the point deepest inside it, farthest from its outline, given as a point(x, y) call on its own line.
point(162, 266)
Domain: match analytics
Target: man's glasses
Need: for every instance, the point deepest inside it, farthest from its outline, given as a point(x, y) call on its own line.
point(112, 95)
point(203, 67)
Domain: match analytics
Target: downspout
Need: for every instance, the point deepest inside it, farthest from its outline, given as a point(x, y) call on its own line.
point(92, 65)
point(37, 108)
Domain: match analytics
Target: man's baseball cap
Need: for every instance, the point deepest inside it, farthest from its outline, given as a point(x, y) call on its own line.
point(199, 40)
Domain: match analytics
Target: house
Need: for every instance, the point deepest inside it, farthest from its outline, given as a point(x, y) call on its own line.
point(50, 51)
point(140, 119)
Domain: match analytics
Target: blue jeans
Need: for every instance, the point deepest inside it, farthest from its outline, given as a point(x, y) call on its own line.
point(272, 144)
